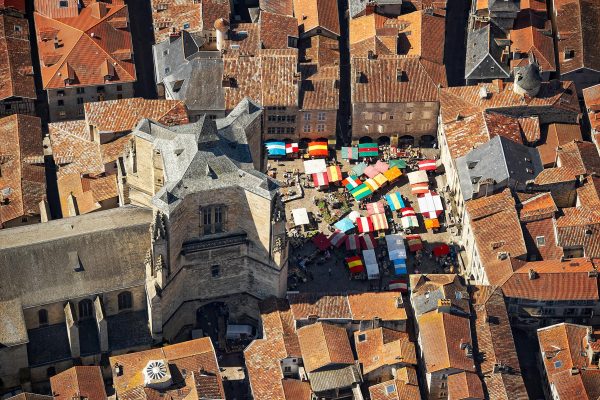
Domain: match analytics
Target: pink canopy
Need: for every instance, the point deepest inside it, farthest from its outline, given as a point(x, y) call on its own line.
point(368, 241)
point(352, 242)
point(375, 208)
point(379, 221)
point(364, 224)
point(320, 179)
point(419, 188)
point(427, 165)
point(381, 166)
point(321, 241)
point(371, 171)
point(408, 212)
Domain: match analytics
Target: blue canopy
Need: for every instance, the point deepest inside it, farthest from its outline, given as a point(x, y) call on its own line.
point(359, 169)
point(344, 224)
point(400, 267)
point(395, 201)
point(275, 149)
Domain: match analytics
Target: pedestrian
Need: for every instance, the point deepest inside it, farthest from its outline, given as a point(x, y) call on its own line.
point(329, 272)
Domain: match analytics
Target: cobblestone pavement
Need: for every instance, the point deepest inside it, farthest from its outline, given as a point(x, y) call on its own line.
point(331, 274)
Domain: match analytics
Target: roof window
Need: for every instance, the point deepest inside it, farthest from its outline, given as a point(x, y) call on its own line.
point(63, 3)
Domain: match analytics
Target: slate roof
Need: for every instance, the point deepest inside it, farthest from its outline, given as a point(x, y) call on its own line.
point(79, 381)
point(93, 42)
point(578, 26)
point(48, 344)
point(428, 289)
point(483, 59)
point(313, 14)
point(170, 54)
point(356, 7)
point(441, 337)
point(13, 331)
point(500, 160)
point(496, 344)
point(16, 70)
point(21, 166)
point(555, 280)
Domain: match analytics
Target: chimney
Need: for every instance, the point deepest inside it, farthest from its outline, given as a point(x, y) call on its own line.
point(222, 29)
point(370, 8)
point(532, 274)
point(499, 84)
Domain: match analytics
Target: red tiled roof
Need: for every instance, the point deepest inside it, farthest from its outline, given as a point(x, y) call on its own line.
point(370, 305)
point(87, 43)
point(465, 385)
point(18, 5)
point(591, 97)
point(578, 26)
point(557, 135)
point(401, 391)
point(323, 344)
point(527, 36)
point(382, 347)
point(320, 50)
point(442, 338)
point(589, 193)
point(284, 7)
point(327, 306)
point(317, 14)
point(78, 382)
point(319, 91)
point(22, 167)
point(16, 70)
point(73, 149)
point(294, 389)
point(275, 30)
point(540, 205)
point(584, 384)
point(562, 346)
point(554, 280)
point(573, 159)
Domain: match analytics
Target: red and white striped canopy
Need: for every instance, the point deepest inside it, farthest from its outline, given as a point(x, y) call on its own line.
point(379, 221)
point(408, 212)
point(375, 208)
point(427, 165)
point(419, 188)
point(364, 224)
point(337, 238)
point(291, 148)
point(320, 179)
point(352, 242)
point(368, 241)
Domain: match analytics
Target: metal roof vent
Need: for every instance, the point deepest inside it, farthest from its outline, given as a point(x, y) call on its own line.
point(157, 375)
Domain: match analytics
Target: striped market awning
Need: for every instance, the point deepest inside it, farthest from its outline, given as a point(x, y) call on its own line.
point(375, 208)
point(337, 238)
point(379, 221)
point(371, 172)
point(419, 188)
point(350, 153)
point(361, 191)
point(394, 200)
point(381, 166)
point(364, 224)
point(368, 241)
point(409, 222)
point(318, 149)
point(352, 242)
point(400, 163)
point(359, 169)
point(351, 182)
point(368, 150)
point(372, 184)
point(414, 242)
point(427, 165)
point(320, 179)
point(344, 224)
point(334, 173)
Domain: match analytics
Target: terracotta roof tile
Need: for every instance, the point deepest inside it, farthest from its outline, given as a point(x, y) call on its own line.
point(87, 192)
point(589, 193)
point(313, 14)
point(370, 305)
point(496, 345)
point(562, 346)
point(580, 227)
point(124, 114)
point(21, 166)
point(441, 337)
point(382, 347)
point(324, 344)
point(542, 227)
point(87, 41)
point(528, 36)
point(465, 385)
point(284, 7)
point(77, 382)
point(212, 10)
point(294, 389)
point(18, 5)
point(394, 390)
point(16, 70)
point(244, 39)
point(578, 26)
point(585, 384)
point(591, 97)
point(326, 306)
point(557, 135)
point(319, 93)
point(541, 205)
point(573, 159)
point(275, 30)
point(320, 50)
point(554, 280)
point(73, 149)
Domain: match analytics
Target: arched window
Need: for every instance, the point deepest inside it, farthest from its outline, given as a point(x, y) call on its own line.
point(86, 308)
point(125, 301)
point(43, 317)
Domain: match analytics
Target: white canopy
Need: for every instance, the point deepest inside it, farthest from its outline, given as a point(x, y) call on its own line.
point(430, 203)
point(353, 216)
point(417, 177)
point(396, 248)
point(315, 166)
point(300, 216)
point(371, 264)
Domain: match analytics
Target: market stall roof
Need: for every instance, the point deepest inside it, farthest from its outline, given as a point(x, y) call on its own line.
point(379, 221)
point(427, 165)
point(337, 238)
point(396, 248)
point(381, 166)
point(398, 285)
point(417, 177)
point(368, 150)
point(334, 173)
point(368, 241)
point(275, 149)
point(430, 204)
point(381, 180)
point(359, 169)
point(344, 224)
point(351, 182)
point(361, 191)
point(400, 163)
point(407, 212)
point(409, 222)
point(350, 153)
point(431, 223)
point(392, 174)
point(370, 171)
point(372, 184)
point(353, 215)
point(321, 241)
point(355, 264)
point(291, 148)
point(394, 200)
point(371, 264)
point(352, 242)
point(441, 250)
point(419, 188)
point(320, 179)
point(300, 216)
point(314, 166)
point(375, 208)
point(414, 242)
point(318, 149)
point(364, 224)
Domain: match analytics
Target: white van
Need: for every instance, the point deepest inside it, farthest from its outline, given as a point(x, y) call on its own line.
point(241, 332)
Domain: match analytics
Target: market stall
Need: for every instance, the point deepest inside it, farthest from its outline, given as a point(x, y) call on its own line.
point(350, 153)
point(300, 216)
point(397, 253)
point(431, 223)
point(355, 264)
point(320, 180)
point(353, 216)
point(381, 166)
point(321, 241)
point(364, 224)
point(334, 173)
point(275, 149)
point(352, 242)
point(337, 238)
point(375, 208)
point(291, 148)
point(394, 201)
point(401, 164)
point(370, 172)
point(368, 150)
point(414, 243)
point(393, 174)
point(367, 241)
point(344, 225)
point(399, 285)
point(371, 264)
point(372, 184)
point(441, 250)
point(359, 169)
point(381, 180)
point(408, 218)
point(351, 182)
point(314, 166)
point(318, 149)
point(379, 221)
point(427, 165)
point(360, 192)
point(430, 204)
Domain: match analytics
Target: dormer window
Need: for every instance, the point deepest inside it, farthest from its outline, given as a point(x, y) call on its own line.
point(63, 3)
point(569, 54)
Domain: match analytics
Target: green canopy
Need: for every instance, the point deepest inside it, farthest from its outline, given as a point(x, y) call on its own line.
point(361, 191)
point(368, 150)
point(397, 163)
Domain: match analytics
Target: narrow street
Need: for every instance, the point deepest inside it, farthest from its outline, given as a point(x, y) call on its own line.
point(457, 14)
point(140, 19)
point(344, 111)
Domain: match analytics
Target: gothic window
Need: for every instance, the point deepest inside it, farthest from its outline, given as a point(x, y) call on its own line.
point(213, 219)
point(86, 309)
point(125, 301)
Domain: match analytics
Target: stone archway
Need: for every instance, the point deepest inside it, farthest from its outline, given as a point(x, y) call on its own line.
point(365, 139)
point(383, 140)
point(406, 140)
point(212, 319)
point(427, 141)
